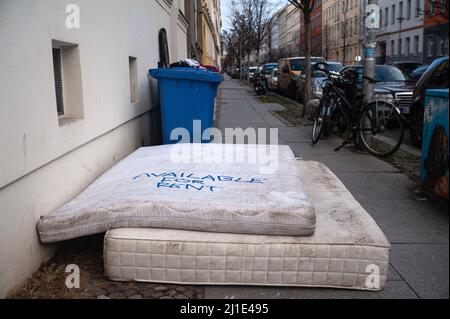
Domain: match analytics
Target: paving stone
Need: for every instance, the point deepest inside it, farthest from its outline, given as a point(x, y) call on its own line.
point(103, 297)
point(166, 297)
point(130, 292)
point(172, 293)
point(148, 293)
point(157, 295)
point(117, 295)
point(161, 288)
point(189, 294)
point(180, 296)
point(180, 289)
point(135, 297)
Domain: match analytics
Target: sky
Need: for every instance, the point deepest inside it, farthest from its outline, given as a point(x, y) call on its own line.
point(224, 8)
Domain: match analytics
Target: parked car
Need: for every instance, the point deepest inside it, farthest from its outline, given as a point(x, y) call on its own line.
point(289, 70)
point(435, 77)
point(407, 66)
point(318, 79)
point(272, 81)
point(266, 71)
point(390, 81)
point(244, 73)
point(417, 73)
point(251, 72)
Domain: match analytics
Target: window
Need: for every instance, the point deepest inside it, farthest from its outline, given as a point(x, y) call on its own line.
point(393, 14)
point(408, 10)
point(392, 48)
point(134, 84)
point(418, 10)
point(381, 17)
point(416, 45)
point(399, 47)
point(431, 12)
point(67, 80)
point(443, 6)
point(408, 44)
point(164, 59)
point(430, 47)
point(439, 79)
point(386, 16)
point(400, 11)
point(58, 80)
point(444, 46)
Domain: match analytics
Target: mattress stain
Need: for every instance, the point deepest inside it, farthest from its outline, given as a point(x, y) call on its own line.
point(329, 183)
point(173, 248)
point(352, 224)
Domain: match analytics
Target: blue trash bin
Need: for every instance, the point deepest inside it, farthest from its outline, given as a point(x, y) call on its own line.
point(435, 145)
point(187, 95)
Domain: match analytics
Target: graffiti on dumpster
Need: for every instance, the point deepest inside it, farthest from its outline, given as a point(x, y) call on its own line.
point(190, 181)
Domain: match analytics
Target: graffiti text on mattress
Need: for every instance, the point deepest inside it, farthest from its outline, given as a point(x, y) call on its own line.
point(190, 181)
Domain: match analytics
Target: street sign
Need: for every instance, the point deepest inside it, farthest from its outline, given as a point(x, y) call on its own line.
point(372, 16)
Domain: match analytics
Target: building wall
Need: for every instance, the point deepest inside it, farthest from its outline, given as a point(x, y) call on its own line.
point(435, 29)
point(341, 30)
point(400, 36)
point(293, 44)
point(316, 31)
point(47, 160)
point(194, 34)
point(211, 25)
point(282, 31)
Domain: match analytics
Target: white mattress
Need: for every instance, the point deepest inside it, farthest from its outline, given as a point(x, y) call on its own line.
point(346, 247)
point(209, 189)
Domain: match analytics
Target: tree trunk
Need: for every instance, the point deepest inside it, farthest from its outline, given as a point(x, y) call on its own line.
point(308, 79)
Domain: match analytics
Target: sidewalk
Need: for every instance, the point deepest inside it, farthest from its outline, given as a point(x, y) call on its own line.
point(418, 231)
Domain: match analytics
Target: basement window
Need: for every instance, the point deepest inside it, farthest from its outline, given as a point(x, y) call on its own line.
point(134, 85)
point(67, 80)
point(58, 81)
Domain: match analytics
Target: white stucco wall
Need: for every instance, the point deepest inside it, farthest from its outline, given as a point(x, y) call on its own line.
point(44, 161)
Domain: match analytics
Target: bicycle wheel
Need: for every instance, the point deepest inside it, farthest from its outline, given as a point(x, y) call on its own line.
point(320, 120)
point(381, 129)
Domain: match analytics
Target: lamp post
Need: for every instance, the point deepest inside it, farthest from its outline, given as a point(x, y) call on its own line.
point(372, 24)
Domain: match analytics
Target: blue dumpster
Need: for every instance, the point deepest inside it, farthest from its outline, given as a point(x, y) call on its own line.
point(435, 144)
point(187, 97)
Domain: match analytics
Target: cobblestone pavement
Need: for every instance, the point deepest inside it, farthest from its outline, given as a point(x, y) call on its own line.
point(49, 280)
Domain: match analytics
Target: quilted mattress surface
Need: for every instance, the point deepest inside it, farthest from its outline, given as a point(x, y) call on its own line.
point(226, 188)
point(347, 250)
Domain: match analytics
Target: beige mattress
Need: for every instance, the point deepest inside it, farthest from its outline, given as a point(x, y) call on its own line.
point(347, 250)
point(208, 187)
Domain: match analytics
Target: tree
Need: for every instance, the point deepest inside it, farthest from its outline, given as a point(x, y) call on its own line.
point(343, 29)
point(326, 41)
point(306, 7)
point(262, 10)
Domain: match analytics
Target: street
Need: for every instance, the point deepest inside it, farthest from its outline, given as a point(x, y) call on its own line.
point(417, 230)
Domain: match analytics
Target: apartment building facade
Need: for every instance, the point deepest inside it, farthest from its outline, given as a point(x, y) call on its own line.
point(211, 26)
point(400, 36)
point(341, 29)
point(435, 29)
point(75, 100)
point(316, 31)
point(285, 31)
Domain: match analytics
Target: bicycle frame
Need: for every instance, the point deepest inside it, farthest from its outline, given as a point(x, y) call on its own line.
point(335, 91)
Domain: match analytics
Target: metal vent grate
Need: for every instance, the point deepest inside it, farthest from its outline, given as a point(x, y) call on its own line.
point(58, 81)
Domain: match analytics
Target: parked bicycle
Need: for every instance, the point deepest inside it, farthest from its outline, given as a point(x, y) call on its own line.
point(258, 84)
point(376, 125)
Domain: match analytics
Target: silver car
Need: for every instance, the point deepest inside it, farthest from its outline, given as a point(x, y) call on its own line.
point(272, 80)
